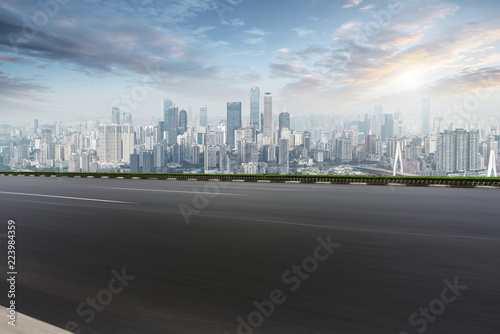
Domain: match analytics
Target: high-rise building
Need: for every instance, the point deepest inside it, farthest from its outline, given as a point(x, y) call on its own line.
point(249, 152)
point(35, 125)
point(127, 118)
point(74, 163)
point(284, 156)
point(430, 144)
point(284, 122)
point(254, 106)
point(203, 115)
point(115, 115)
point(284, 147)
point(134, 163)
point(457, 151)
point(343, 149)
point(233, 121)
point(85, 161)
point(110, 143)
point(128, 142)
point(445, 152)
point(171, 121)
point(148, 163)
point(426, 116)
point(370, 144)
point(46, 137)
point(376, 124)
point(387, 127)
point(182, 121)
point(161, 130)
point(251, 133)
point(159, 155)
point(268, 115)
point(210, 158)
point(474, 160)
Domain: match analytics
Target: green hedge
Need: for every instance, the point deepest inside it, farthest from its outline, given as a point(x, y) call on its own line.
point(370, 179)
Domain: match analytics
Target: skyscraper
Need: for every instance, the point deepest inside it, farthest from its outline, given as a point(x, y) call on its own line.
point(46, 137)
point(115, 115)
point(268, 115)
point(127, 118)
point(182, 121)
point(233, 121)
point(284, 121)
point(426, 116)
point(203, 115)
point(110, 143)
point(283, 156)
point(254, 106)
point(128, 141)
point(171, 121)
point(343, 149)
point(457, 151)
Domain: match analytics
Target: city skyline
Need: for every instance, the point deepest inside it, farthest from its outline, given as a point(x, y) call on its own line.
point(338, 58)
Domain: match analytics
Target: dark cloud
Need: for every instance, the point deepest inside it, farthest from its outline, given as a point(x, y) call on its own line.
point(15, 87)
point(104, 43)
point(466, 81)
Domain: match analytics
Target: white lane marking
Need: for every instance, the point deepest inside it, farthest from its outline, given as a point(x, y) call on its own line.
point(228, 185)
point(170, 191)
point(65, 197)
point(49, 203)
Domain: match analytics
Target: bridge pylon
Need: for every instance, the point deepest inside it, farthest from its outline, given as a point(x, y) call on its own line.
point(398, 158)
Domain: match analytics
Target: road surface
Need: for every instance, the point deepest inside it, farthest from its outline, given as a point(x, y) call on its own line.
point(144, 256)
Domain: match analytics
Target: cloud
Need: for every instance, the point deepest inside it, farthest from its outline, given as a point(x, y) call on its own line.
point(370, 67)
point(256, 36)
point(107, 42)
point(465, 81)
point(254, 40)
point(295, 70)
point(234, 22)
point(303, 32)
point(12, 59)
point(255, 31)
point(352, 3)
point(12, 88)
point(367, 7)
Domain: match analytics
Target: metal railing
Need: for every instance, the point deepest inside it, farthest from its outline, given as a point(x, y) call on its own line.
point(334, 179)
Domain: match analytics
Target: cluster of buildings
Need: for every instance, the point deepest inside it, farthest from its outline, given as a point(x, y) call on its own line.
point(263, 143)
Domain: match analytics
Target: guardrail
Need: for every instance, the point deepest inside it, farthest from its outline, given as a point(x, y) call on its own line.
point(467, 182)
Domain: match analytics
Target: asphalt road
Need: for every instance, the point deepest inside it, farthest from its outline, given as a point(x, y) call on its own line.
point(117, 256)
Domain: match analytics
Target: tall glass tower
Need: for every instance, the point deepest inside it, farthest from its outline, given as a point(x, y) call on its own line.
point(203, 115)
point(268, 115)
point(171, 121)
point(284, 121)
point(115, 115)
point(254, 106)
point(182, 121)
point(233, 121)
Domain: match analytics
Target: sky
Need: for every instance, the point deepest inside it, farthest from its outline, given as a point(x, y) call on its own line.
point(67, 59)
